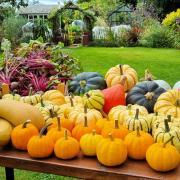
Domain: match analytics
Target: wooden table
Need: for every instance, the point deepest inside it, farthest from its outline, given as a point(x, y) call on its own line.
point(81, 167)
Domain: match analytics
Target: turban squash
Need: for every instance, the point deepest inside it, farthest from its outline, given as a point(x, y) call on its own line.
point(169, 103)
point(115, 74)
point(145, 94)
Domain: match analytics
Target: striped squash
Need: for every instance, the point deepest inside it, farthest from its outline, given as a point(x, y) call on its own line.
point(33, 100)
point(133, 122)
point(169, 103)
point(115, 74)
point(15, 97)
point(55, 96)
point(122, 112)
point(94, 99)
point(163, 133)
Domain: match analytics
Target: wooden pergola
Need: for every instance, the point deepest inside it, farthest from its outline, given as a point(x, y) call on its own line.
point(88, 18)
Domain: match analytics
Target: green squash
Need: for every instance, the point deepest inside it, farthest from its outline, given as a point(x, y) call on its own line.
point(145, 94)
point(85, 82)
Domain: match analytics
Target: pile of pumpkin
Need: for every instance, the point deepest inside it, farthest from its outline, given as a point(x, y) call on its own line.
point(107, 123)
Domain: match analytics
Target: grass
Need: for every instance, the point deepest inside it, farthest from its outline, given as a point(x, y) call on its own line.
point(164, 64)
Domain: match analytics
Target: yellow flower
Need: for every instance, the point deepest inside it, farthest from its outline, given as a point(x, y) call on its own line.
point(170, 18)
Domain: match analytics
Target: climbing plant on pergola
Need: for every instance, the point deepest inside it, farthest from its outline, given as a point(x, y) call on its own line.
point(88, 17)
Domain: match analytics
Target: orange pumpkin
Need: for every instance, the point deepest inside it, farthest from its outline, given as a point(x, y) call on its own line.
point(118, 131)
point(80, 130)
point(103, 123)
point(22, 133)
point(40, 146)
point(57, 132)
point(137, 144)
point(65, 123)
point(66, 147)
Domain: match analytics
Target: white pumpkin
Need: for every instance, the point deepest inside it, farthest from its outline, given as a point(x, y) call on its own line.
point(163, 84)
point(177, 85)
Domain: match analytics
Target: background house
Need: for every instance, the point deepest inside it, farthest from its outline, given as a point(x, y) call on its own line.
point(33, 12)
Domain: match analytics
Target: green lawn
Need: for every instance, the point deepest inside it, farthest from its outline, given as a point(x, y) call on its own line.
point(164, 64)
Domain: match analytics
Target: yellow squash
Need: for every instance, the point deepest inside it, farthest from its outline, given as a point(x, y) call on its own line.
point(115, 74)
point(5, 132)
point(17, 112)
point(169, 103)
point(89, 142)
point(55, 96)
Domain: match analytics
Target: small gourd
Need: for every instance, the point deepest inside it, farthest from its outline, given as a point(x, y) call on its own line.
point(163, 156)
point(89, 142)
point(164, 133)
point(22, 133)
point(66, 147)
point(132, 122)
point(65, 123)
point(79, 130)
point(57, 132)
point(111, 151)
point(40, 146)
point(137, 144)
point(118, 131)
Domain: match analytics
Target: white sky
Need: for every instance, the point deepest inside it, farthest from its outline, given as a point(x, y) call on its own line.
point(51, 1)
point(48, 1)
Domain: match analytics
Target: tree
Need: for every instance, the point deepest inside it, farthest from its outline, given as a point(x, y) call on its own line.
point(16, 3)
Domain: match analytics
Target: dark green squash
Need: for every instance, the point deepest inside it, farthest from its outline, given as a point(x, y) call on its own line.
point(86, 81)
point(145, 94)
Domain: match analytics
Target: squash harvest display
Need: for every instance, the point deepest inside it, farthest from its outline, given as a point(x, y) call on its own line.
point(145, 94)
point(5, 132)
point(94, 99)
point(163, 156)
point(86, 81)
point(169, 103)
point(115, 74)
point(17, 112)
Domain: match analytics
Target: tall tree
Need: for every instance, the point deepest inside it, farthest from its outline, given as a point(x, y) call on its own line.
point(16, 3)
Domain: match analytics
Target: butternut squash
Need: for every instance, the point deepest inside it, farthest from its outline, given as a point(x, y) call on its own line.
point(17, 112)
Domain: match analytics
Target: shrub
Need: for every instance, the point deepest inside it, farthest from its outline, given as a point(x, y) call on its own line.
point(158, 37)
point(170, 18)
point(12, 29)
